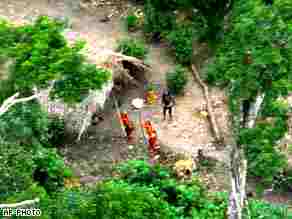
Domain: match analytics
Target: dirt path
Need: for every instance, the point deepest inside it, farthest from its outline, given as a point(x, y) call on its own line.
point(188, 132)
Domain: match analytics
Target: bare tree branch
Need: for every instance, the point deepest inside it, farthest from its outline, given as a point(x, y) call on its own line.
point(12, 101)
point(20, 204)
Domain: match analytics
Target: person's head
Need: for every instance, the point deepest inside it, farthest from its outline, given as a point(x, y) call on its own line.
point(123, 113)
point(147, 122)
point(166, 92)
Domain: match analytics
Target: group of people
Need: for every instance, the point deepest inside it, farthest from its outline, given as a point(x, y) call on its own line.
point(152, 138)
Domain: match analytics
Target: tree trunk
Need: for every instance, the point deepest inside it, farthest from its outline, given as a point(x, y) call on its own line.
point(238, 166)
point(254, 109)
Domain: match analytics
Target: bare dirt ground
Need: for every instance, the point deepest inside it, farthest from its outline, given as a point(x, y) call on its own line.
point(94, 154)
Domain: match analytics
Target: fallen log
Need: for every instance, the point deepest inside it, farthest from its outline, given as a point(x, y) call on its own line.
point(213, 123)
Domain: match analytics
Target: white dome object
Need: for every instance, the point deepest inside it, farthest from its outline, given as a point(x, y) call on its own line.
point(138, 103)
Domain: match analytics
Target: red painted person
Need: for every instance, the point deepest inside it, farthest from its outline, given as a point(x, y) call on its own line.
point(128, 125)
point(153, 146)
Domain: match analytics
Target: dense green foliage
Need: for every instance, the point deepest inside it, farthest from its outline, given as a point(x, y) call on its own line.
point(143, 191)
point(25, 124)
point(50, 169)
point(177, 80)
point(264, 160)
point(131, 47)
point(131, 21)
point(158, 22)
point(15, 174)
point(258, 209)
point(41, 54)
point(283, 181)
point(30, 168)
point(21, 167)
point(161, 19)
point(190, 199)
point(140, 191)
point(266, 35)
point(118, 199)
point(181, 41)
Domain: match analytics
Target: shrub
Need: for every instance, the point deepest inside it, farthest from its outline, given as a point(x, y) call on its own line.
point(177, 79)
point(16, 169)
point(120, 200)
point(138, 171)
point(157, 22)
point(260, 209)
point(189, 199)
point(263, 158)
point(71, 204)
point(181, 40)
point(25, 124)
point(283, 181)
point(132, 22)
point(133, 48)
point(50, 169)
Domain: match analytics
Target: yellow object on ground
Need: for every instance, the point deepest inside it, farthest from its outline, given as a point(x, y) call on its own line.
point(151, 97)
point(204, 113)
point(71, 182)
point(184, 168)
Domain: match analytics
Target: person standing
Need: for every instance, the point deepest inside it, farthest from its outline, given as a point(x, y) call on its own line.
point(153, 146)
point(128, 125)
point(167, 102)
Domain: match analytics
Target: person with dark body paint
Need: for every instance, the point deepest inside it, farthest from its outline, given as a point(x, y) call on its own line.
point(168, 102)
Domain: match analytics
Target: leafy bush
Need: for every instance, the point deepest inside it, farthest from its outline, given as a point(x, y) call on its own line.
point(133, 195)
point(159, 22)
point(181, 40)
point(133, 48)
point(120, 200)
point(252, 28)
point(16, 169)
point(177, 79)
point(25, 124)
point(260, 209)
point(283, 8)
point(283, 181)
point(160, 14)
point(71, 204)
point(138, 171)
point(190, 199)
point(263, 158)
point(50, 169)
point(132, 21)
